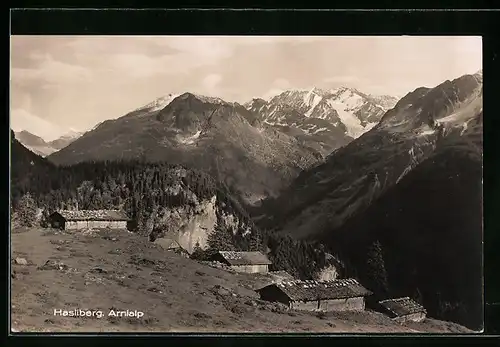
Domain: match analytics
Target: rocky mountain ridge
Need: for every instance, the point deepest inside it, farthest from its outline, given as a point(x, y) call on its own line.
point(205, 133)
point(43, 148)
point(324, 119)
point(355, 175)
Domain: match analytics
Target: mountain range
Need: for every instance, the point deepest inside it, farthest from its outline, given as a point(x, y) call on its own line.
point(322, 119)
point(43, 148)
point(353, 176)
point(255, 153)
point(413, 184)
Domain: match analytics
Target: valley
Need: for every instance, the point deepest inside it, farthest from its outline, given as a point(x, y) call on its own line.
point(42, 147)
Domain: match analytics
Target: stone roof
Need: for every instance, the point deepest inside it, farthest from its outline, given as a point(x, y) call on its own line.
point(310, 290)
point(167, 243)
point(282, 275)
point(245, 258)
point(402, 306)
point(93, 215)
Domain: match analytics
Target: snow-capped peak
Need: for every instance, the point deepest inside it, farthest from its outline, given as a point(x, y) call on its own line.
point(159, 103)
point(312, 99)
point(357, 111)
point(341, 89)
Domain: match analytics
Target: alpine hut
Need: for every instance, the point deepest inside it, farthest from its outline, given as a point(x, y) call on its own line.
point(250, 262)
point(403, 309)
point(337, 295)
point(88, 219)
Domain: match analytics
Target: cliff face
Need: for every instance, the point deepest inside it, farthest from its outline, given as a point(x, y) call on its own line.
point(190, 226)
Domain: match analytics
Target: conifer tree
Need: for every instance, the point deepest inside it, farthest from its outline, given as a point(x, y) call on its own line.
point(255, 241)
point(26, 210)
point(44, 222)
point(221, 239)
point(198, 253)
point(376, 271)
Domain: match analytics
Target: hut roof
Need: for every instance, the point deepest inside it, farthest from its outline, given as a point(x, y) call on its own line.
point(93, 215)
point(322, 290)
point(402, 306)
point(281, 275)
point(245, 258)
point(167, 243)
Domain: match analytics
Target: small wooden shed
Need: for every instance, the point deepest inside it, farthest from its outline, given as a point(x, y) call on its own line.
point(403, 309)
point(88, 219)
point(309, 295)
point(250, 262)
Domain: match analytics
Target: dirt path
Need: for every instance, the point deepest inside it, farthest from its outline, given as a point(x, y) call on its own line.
point(116, 270)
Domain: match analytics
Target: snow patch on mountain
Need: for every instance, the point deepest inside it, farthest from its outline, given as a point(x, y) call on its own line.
point(352, 123)
point(426, 130)
point(464, 128)
point(469, 109)
point(95, 126)
point(189, 140)
point(454, 117)
point(319, 130)
point(414, 161)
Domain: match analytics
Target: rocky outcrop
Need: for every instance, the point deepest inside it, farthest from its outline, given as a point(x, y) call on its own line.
point(190, 226)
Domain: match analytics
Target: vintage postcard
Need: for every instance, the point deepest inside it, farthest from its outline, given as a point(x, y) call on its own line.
point(234, 184)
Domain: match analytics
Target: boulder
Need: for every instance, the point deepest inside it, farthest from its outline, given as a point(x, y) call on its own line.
point(21, 261)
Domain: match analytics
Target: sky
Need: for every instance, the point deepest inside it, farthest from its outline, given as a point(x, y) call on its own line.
point(64, 83)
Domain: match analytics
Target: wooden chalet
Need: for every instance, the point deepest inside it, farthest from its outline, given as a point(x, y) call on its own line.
point(89, 219)
point(337, 295)
point(250, 262)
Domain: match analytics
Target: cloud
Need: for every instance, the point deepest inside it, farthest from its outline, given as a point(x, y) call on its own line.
point(20, 119)
point(50, 71)
point(137, 65)
point(121, 57)
point(211, 82)
point(342, 79)
point(164, 56)
point(206, 49)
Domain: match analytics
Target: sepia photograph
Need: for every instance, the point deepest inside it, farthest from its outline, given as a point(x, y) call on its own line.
point(246, 184)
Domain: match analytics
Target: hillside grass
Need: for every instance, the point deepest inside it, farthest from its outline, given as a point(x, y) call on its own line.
point(105, 269)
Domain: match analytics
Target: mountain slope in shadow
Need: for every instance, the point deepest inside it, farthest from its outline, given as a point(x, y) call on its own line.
point(430, 229)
